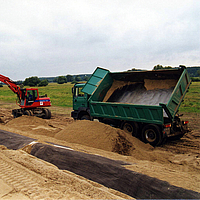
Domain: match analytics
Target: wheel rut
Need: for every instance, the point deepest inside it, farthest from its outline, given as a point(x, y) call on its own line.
point(21, 180)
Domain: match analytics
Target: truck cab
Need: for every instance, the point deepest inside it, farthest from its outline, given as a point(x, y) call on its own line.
point(80, 103)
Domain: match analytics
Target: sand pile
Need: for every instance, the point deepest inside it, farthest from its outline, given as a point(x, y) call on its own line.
point(101, 136)
point(88, 133)
point(34, 125)
point(5, 116)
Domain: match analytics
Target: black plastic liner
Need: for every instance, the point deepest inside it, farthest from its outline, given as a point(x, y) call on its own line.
point(107, 172)
point(111, 173)
point(14, 141)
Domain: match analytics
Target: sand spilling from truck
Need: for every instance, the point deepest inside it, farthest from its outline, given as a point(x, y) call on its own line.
point(149, 92)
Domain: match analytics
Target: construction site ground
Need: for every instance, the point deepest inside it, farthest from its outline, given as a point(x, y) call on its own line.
point(25, 175)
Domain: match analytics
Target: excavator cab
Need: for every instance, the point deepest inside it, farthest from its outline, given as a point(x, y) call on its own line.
point(31, 96)
point(28, 97)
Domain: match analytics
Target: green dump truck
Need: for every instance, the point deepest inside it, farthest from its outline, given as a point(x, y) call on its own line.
point(142, 103)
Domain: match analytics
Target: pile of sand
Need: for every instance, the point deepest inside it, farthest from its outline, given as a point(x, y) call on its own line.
point(101, 136)
point(34, 125)
point(88, 133)
point(5, 116)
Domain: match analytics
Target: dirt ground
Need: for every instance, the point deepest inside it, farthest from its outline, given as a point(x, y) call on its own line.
point(23, 176)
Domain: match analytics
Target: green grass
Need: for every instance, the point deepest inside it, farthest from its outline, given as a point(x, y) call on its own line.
point(7, 95)
point(61, 96)
point(191, 101)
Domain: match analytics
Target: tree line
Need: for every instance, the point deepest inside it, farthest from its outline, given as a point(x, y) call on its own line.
point(35, 81)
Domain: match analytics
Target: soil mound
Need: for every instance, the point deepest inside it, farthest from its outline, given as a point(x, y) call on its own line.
point(101, 136)
point(34, 125)
point(5, 116)
point(89, 133)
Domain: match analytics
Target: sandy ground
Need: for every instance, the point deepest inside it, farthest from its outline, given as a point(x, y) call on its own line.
point(23, 176)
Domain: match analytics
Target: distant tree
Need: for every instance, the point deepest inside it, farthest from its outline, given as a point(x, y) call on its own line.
point(61, 80)
point(198, 72)
point(55, 79)
point(157, 67)
point(43, 83)
point(86, 78)
point(193, 71)
point(195, 79)
point(182, 66)
point(167, 67)
point(78, 78)
point(31, 81)
point(74, 82)
point(70, 78)
point(133, 69)
point(19, 82)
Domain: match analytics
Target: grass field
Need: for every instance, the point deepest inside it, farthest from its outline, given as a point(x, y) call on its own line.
point(192, 99)
point(61, 96)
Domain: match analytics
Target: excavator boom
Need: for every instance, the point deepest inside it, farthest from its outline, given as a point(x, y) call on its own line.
point(11, 84)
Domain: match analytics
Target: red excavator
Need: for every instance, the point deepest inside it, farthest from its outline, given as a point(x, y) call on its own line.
point(29, 100)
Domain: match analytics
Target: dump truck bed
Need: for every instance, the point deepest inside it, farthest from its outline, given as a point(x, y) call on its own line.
point(142, 96)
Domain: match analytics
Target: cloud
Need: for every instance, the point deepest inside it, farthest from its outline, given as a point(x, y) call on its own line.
point(50, 38)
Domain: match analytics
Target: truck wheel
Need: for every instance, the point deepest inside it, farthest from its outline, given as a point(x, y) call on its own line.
point(151, 134)
point(130, 128)
point(31, 112)
point(27, 112)
point(47, 114)
point(85, 117)
point(15, 113)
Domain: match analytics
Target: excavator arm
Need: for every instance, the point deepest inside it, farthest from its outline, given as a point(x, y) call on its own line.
point(11, 84)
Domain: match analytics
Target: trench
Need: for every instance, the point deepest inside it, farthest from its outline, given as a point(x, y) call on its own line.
point(110, 173)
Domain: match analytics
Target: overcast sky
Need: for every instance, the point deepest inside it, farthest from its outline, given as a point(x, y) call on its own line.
point(59, 37)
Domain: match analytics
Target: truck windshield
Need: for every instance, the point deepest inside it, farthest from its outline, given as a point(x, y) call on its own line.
point(78, 92)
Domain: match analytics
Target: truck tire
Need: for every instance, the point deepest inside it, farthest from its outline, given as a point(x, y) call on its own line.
point(31, 112)
point(15, 113)
point(151, 134)
point(47, 113)
point(85, 117)
point(28, 112)
point(130, 128)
